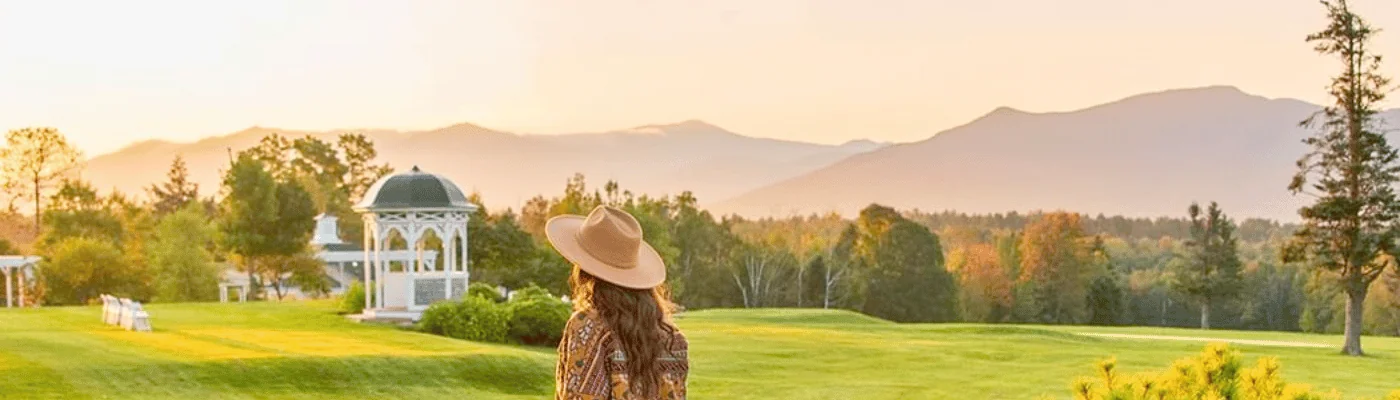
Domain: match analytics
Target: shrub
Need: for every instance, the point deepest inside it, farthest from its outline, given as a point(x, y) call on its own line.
point(353, 301)
point(484, 290)
point(473, 318)
point(79, 269)
point(532, 291)
point(537, 320)
point(1215, 374)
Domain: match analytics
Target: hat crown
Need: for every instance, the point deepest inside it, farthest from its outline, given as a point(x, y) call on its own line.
point(611, 235)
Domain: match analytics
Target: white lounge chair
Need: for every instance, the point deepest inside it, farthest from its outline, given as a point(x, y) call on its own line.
point(106, 309)
point(125, 309)
point(140, 320)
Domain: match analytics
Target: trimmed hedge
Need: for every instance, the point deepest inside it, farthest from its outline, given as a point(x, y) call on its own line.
point(474, 318)
point(532, 317)
point(538, 320)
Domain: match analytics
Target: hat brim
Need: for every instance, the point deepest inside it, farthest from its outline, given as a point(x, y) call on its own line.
point(649, 272)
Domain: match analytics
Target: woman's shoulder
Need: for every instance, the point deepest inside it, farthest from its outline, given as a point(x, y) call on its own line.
point(585, 321)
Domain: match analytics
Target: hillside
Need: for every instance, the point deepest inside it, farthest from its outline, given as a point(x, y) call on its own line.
point(1147, 156)
point(302, 350)
point(510, 168)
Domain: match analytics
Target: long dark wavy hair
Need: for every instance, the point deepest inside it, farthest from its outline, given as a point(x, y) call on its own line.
point(640, 320)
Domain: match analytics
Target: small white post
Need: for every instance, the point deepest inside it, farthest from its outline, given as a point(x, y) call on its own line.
point(20, 279)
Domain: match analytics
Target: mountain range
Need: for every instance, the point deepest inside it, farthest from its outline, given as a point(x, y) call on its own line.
point(507, 169)
point(1147, 155)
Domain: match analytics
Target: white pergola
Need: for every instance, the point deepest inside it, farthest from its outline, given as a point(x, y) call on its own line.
point(410, 205)
point(18, 270)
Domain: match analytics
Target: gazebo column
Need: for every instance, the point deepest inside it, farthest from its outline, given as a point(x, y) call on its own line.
point(379, 270)
point(448, 260)
point(9, 294)
point(412, 270)
point(466, 258)
point(365, 241)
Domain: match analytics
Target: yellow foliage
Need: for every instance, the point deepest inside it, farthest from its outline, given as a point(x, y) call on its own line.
point(1215, 374)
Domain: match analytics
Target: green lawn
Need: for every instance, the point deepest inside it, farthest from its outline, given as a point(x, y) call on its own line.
point(304, 350)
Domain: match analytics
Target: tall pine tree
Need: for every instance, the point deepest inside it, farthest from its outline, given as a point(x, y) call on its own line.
point(1351, 171)
point(1211, 273)
point(178, 191)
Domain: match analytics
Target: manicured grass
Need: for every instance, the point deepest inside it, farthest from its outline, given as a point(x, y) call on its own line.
point(304, 350)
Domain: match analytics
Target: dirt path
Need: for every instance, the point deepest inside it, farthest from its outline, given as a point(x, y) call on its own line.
point(1278, 343)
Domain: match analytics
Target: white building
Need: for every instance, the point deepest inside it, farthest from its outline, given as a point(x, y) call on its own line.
point(344, 264)
point(18, 271)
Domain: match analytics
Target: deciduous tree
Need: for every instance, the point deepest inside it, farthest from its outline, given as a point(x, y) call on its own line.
point(34, 160)
point(1055, 268)
point(183, 267)
point(984, 286)
point(79, 269)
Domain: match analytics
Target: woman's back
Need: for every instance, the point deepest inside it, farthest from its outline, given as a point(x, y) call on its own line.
point(592, 364)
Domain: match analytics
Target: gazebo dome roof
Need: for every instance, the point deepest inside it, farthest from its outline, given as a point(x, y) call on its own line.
point(414, 189)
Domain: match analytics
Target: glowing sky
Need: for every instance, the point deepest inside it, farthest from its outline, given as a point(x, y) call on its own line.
point(111, 73)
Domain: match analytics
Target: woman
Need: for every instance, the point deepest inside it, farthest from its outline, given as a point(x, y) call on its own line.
point(620, 343)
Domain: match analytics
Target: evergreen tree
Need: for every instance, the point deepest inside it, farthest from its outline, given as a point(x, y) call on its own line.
point(1211, 272)
point(176, 192)
point(1351, 171)
point(1106, 296)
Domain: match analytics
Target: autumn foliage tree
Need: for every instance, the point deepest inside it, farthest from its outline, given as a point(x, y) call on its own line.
point(1054, 256)
point(1351, 171)
point(985, 287)
point(33, 161)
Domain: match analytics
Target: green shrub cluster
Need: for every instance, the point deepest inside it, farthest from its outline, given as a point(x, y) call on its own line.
point(484, 290)
point(1214, 374)
point(473, 318)
point(353, 302)
point(536, 317)
point(532, 316)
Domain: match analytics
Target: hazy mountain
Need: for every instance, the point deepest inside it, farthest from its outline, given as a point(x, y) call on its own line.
point(1148, 155)
point(509, 168)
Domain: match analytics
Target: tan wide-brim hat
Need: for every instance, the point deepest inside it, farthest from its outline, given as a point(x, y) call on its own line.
point(608, 245)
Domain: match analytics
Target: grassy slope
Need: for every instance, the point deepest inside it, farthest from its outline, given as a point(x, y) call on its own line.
point(261, 350)
point(841, 356)
point(302, 350)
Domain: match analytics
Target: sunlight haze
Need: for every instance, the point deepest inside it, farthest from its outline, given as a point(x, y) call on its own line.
point(108, 74)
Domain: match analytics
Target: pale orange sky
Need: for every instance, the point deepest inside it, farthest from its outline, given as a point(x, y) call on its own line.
point(111, 73)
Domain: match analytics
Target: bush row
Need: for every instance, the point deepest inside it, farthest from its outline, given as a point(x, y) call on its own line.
point(533, 317)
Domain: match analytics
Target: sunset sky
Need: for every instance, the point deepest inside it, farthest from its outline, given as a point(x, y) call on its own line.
point(111, 73)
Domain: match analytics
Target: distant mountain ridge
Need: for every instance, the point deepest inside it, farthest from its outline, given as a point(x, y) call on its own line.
point(1147, 155)
point(508, 168)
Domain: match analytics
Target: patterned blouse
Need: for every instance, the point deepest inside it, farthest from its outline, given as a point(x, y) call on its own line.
point(593, 367)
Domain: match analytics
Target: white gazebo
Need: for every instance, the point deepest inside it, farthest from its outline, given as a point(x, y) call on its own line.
point(409, 206)
point(18, 271)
